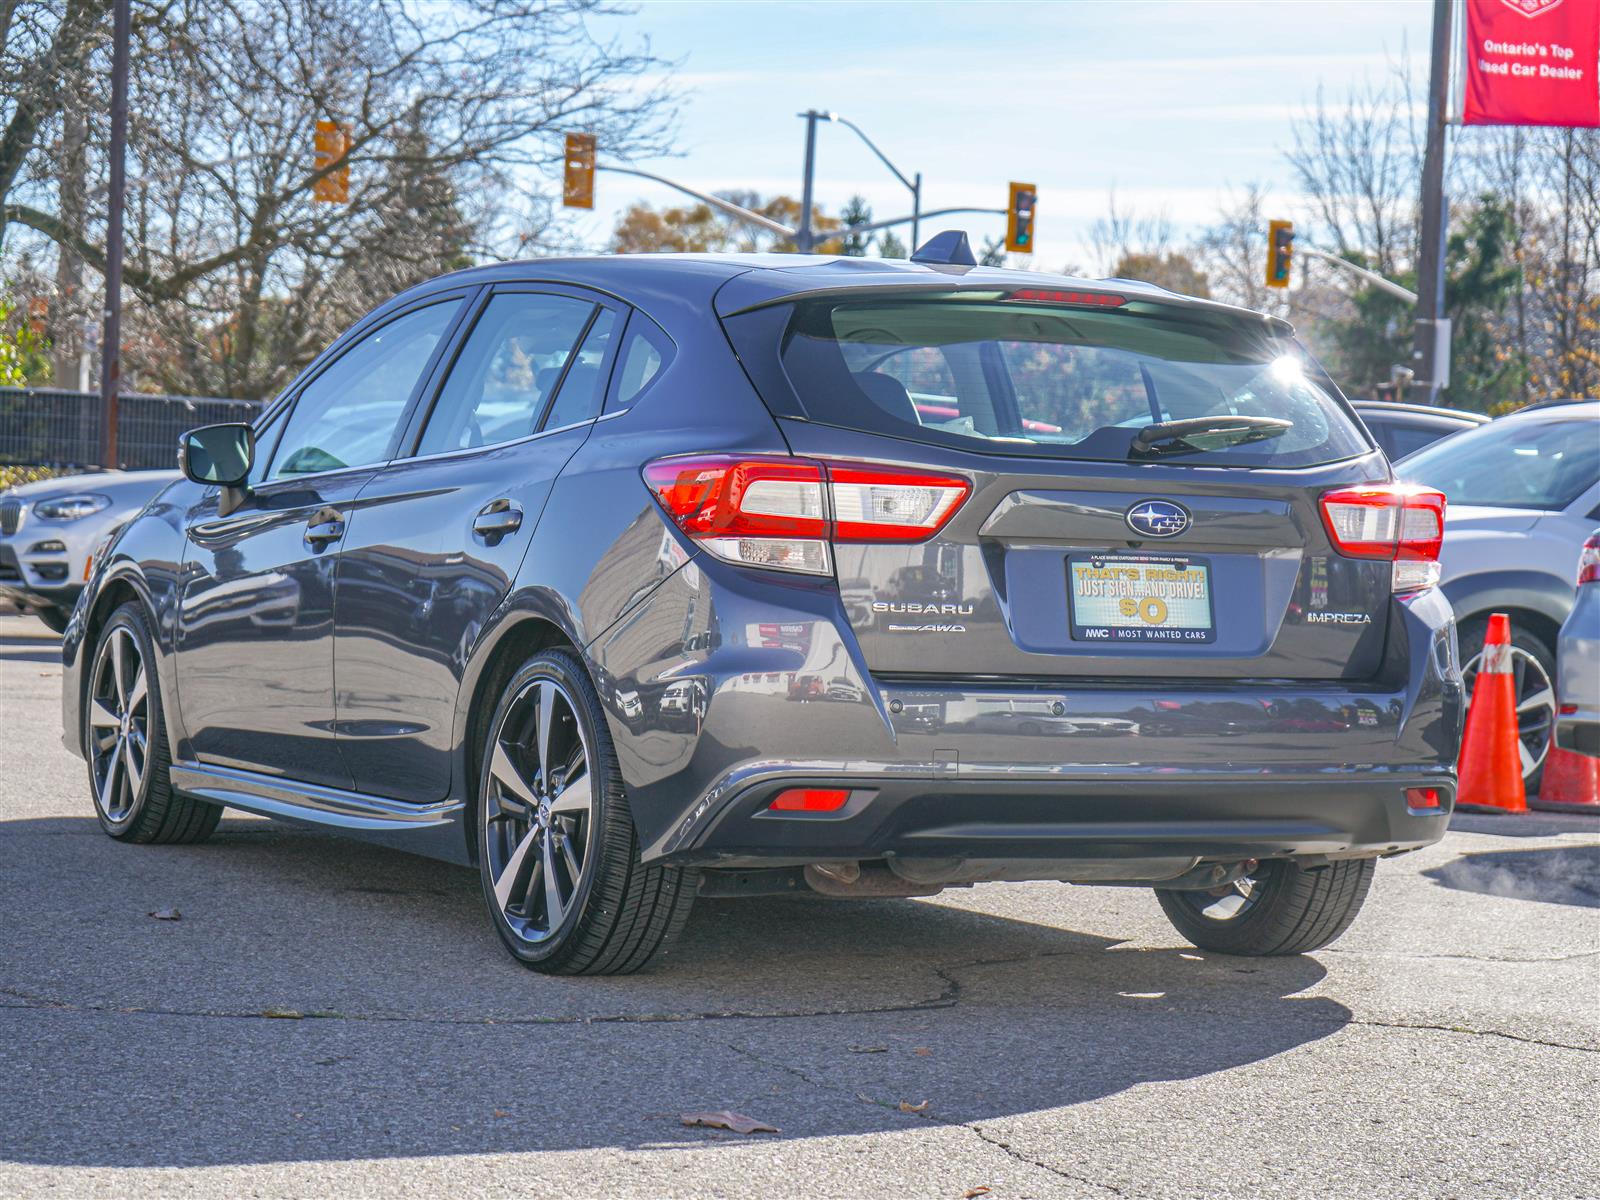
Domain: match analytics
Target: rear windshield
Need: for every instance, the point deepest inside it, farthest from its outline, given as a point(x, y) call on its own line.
point(1008, 377)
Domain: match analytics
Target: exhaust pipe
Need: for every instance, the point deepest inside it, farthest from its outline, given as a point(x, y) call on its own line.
point(852, 881)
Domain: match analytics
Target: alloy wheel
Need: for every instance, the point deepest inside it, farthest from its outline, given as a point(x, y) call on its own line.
point(1226, 903)
point(119, 725)
point(538, 810)
point(1536, 705)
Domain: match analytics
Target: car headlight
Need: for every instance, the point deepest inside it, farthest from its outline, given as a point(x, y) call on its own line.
point(71, 508)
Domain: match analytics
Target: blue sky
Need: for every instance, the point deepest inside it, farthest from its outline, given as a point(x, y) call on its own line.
point(1171, 103)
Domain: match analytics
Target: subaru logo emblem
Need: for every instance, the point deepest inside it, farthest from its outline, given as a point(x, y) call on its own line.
point(1157, 518)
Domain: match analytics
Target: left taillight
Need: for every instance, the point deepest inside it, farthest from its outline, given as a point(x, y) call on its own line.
point(1395, 521)
point(1589, 560)
point(787, 513)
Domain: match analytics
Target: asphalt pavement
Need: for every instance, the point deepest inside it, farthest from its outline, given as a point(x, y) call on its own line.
point(328, 1018)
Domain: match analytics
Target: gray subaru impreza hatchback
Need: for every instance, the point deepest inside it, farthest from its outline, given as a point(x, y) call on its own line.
point(634, 579)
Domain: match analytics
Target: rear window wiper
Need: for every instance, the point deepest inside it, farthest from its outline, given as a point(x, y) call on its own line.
point(1195, 435)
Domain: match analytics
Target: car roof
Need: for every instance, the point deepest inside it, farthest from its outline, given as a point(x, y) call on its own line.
point(744, 281)
point(1564, 410)
point(1401, 409)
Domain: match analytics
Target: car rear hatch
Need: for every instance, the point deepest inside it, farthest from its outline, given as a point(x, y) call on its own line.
point(1147, 483)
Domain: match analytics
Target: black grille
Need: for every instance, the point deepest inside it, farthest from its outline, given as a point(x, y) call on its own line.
point(10, 515)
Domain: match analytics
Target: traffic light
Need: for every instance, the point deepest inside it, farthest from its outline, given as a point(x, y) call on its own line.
point(578, 191)
point(1019, 217)
point(1280, 252)
point(332, 143)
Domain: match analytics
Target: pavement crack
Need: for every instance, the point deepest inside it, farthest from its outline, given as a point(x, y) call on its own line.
point(1486, 958)
point(1427, 1027)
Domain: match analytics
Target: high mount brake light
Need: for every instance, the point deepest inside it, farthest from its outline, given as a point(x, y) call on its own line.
point(1395, 521)
point(787, 513)
point(1055, 296)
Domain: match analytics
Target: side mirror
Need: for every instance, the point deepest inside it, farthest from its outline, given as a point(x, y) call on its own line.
point(219, 454)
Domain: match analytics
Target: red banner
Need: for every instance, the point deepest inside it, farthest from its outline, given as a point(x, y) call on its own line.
point(1532, 62)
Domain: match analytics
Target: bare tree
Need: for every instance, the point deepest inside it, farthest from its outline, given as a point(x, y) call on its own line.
point(449, 109)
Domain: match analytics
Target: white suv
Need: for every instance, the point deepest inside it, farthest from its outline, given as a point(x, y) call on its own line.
point(49, 529)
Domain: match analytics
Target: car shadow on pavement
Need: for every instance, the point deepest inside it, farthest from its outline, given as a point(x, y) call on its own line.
point(320, 999)
point(1553, 874)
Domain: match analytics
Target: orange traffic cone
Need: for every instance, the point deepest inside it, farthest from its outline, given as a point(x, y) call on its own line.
point(1571, 783)
point(1490, 766)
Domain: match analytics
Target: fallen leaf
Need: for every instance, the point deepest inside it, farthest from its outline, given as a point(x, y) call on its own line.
point(922, 1052)
point(907, 1106)
point(737, 1122)
point(869, 1049)
point(500, 1112)
point(283, 1014)
point(166, 914)
point(970, 1193)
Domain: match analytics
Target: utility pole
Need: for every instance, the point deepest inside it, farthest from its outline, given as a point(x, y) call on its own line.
point(1430, 354)
point(802, 241)
point(111, 340)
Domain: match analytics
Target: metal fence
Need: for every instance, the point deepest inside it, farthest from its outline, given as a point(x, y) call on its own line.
point(48, 428)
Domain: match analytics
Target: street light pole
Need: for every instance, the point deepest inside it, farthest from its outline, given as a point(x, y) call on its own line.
point(914, 186)
point(111, 339)
point(802, 240)
point(1431, 346)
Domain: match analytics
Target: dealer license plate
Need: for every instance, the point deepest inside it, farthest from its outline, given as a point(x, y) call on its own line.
point(1140, 598)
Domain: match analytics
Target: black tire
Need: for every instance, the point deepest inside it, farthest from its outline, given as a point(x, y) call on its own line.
point(1470, 637)
point(53, 619)
point(149, 810)
point(1290, 909)
point(619, 914)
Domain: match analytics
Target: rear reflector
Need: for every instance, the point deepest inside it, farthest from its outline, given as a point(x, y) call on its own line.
point(1422, 797)
point(810, 800)
point(1398, 522)
point(787, 512)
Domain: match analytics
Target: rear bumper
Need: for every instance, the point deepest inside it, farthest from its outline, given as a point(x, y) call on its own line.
point(1155, 815)
point(1020, 769)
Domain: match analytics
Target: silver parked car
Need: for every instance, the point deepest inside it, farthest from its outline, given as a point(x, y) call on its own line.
point(49, 529)
point(1578, 692)
point(1524, 492)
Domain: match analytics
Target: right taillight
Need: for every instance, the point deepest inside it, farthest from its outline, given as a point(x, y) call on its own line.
point(1398, 522)
point(1589, 560)
point(786, 513)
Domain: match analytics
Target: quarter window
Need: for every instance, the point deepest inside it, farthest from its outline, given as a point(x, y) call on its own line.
point(507, 372)
point(643, 355)
point(346, 416)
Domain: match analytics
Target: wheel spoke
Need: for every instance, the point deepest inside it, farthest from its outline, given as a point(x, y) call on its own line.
point(547, 713)
point(136, 693)
point(132, 769)
point(505, 772)
point(506, 883)
point(575, 796)
point(554, 909)
point(108, 785)
point(101, 716)
point(1526, 755)
point(1543, 698)
point(571, 858)
point(114, 649)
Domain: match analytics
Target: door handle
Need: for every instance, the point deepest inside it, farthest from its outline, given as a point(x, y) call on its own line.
point(496, 519)
point(320, 533)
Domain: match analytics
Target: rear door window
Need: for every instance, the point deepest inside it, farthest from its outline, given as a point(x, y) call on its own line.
point(990, 373)
point(507, 372)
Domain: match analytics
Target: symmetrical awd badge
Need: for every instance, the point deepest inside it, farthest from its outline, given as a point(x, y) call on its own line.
point(1157, 518)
